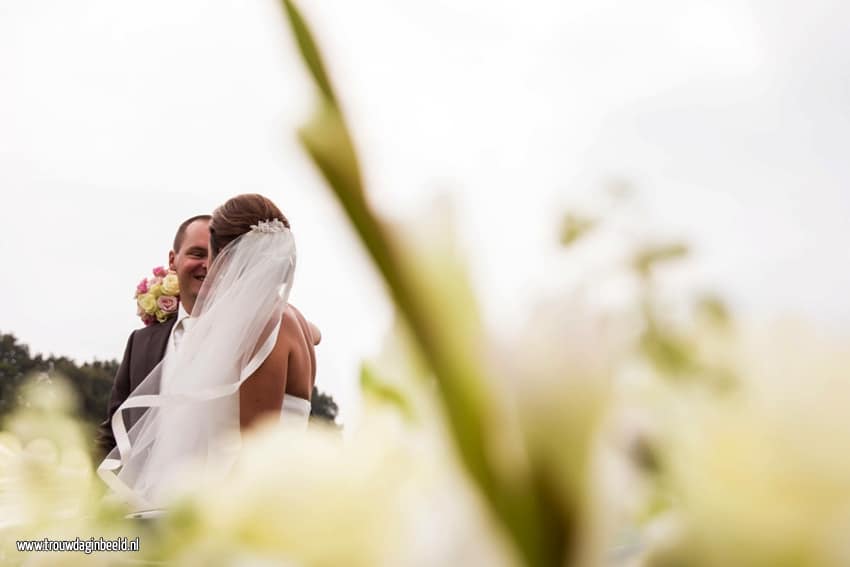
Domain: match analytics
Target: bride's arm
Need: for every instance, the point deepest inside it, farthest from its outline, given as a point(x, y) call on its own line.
point(289, 368)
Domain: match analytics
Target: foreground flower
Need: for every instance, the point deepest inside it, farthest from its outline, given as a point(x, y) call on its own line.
point(384, 496)
point(760, 478)
point(47, 483)
point(424, 282)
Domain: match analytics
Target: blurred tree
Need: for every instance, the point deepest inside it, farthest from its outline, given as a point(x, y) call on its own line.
point(92, 381)
point(15, 364)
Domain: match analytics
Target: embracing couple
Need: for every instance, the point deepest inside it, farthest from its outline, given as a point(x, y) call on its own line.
point(235, 352)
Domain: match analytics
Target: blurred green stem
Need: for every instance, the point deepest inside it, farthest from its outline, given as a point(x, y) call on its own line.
point(515, 501)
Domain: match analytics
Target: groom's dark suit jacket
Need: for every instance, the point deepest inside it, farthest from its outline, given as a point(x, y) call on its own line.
point(145, 348)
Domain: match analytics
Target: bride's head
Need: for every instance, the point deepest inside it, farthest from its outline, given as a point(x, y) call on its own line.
point(235, 217)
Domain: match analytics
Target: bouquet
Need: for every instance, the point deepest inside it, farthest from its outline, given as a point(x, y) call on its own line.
point(157, 298)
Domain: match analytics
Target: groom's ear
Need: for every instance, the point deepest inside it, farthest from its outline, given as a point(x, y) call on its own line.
point(171, 261)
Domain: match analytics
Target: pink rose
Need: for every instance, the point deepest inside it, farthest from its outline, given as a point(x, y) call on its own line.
point(148, 319)
point(142, 287)
point(167, 303)
point(159, 272)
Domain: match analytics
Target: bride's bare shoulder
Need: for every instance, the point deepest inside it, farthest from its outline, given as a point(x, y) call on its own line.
point(297, 322)
point(297, 340)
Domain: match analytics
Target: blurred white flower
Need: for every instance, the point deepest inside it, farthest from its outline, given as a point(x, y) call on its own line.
point(385, 495)
point(760, 477)
point(47, 483)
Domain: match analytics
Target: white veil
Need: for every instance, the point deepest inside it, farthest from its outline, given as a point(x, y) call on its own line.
point(190, 400)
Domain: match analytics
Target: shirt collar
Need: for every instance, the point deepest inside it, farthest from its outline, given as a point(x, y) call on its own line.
point(181, 313)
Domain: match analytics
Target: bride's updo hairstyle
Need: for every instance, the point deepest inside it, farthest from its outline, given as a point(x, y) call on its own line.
point(235, 217)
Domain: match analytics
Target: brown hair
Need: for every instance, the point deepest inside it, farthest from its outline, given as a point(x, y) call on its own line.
point(181, 230)
point(235, 217)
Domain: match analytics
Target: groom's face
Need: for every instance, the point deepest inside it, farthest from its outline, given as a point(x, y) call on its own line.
point(190, 261)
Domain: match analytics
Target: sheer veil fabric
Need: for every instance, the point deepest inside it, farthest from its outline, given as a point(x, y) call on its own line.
point(192, 423)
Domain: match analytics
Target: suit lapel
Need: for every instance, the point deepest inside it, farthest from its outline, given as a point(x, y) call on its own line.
point(148, 350)
point(159, 341)
point(151, 349)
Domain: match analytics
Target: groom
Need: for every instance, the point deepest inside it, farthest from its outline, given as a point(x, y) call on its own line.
point(147, 346)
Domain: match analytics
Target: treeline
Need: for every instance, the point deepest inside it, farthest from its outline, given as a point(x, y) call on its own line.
point(92, 381)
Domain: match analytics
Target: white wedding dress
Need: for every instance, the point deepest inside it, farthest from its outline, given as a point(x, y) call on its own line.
point(295, 413)
point(192, 423)
point(294, 416)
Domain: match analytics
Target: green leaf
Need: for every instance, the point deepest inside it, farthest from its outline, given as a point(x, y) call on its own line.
point(669, 352)
point(713, 309)
point(309, 51)
point(574, 227)
point(524, 511)
point(327, 140)
point(373, 386)
point(646, 259)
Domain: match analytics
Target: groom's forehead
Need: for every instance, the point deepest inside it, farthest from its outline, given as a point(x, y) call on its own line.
point(196, 231)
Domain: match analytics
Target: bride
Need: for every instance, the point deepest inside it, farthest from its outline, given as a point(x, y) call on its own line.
point(246, 354)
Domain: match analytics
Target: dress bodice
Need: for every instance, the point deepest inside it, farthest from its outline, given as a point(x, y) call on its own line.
point(295, 412)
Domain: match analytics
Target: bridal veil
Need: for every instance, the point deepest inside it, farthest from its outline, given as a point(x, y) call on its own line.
point(190, 400)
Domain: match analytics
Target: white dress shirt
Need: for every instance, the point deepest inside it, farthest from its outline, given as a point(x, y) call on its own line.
point(174, 341)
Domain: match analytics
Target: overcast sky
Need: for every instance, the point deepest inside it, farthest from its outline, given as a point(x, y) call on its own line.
point(120, 119)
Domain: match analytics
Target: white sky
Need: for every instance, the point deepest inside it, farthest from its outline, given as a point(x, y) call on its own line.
point(120, 119)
